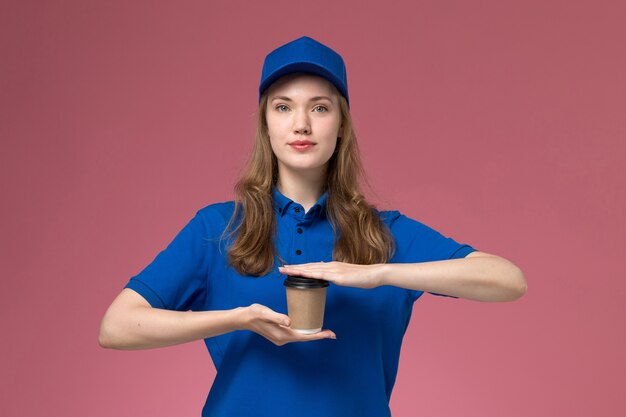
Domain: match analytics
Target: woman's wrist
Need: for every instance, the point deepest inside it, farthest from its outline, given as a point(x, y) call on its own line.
point(380, 274)
point(240, 318)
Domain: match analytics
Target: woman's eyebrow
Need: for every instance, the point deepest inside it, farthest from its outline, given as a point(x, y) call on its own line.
point(316, 98)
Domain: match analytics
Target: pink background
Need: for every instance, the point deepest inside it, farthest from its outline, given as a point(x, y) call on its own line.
point(500, 124)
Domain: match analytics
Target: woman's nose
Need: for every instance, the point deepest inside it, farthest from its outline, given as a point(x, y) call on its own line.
point(301, 123)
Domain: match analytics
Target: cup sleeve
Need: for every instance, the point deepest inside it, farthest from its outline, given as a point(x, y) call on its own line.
point(177, 278)
point(417, 242)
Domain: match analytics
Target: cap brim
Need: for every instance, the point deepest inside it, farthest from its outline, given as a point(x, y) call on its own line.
point(305, 67)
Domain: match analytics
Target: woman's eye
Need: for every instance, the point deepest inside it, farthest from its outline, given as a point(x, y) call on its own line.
point(282, 106)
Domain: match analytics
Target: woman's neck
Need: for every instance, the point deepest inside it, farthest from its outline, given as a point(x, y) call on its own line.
point(303, 191)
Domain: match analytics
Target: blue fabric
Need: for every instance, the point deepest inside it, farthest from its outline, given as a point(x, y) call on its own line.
point(350, 376)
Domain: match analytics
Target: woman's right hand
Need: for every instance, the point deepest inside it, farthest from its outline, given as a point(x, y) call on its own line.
point(275, 326)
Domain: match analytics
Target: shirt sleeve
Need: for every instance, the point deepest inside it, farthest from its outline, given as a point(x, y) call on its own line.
point(177, 278)
point(417, 242)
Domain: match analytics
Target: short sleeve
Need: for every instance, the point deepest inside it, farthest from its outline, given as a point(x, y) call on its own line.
point(417, 242)
point(177, 278)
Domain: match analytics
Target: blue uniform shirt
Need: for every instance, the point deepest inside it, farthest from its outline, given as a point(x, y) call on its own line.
point(350, 376)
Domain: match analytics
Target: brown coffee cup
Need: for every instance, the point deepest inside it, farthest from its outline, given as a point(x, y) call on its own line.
point(306, 299)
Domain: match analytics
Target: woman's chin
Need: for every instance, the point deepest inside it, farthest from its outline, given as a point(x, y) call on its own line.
point(312, 166)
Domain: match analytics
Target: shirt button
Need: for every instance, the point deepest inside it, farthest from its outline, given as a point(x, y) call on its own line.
point(298, 252)
point(297, 209)
point(299, 230)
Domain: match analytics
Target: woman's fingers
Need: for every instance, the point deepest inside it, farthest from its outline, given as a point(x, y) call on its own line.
point(288, 335)
point(274, 326)
point(282, 320)
point(324, 334)
point(270, 316)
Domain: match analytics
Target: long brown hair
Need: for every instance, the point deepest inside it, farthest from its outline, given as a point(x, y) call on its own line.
point(361, 237)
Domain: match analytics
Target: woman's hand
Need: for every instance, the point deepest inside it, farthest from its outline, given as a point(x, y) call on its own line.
point(340, 273)
point(275, 326)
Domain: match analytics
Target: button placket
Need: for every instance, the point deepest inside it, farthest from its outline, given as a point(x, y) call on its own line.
point(299, 238)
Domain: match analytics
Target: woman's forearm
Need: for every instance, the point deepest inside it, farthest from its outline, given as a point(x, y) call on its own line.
point(489, 278)
point(147, 327)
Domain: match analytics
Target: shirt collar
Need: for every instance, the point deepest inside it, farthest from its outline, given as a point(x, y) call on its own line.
point(282, 202)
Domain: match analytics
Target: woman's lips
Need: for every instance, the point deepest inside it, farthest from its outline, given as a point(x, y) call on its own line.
point(302, 147)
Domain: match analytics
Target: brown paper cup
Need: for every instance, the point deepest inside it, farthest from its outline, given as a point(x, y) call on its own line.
point(306, 299)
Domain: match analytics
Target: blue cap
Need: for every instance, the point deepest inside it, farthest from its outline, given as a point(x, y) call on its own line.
point(307, 55)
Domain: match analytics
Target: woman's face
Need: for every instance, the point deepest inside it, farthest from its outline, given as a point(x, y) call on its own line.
point(303, 107)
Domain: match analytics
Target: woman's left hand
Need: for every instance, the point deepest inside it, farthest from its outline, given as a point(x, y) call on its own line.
point(340, 273)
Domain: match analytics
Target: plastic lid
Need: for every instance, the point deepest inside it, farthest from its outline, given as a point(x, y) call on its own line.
point(304, 283)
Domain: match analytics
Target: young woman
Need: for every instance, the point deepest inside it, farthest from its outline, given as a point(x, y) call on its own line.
point(299, 211)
